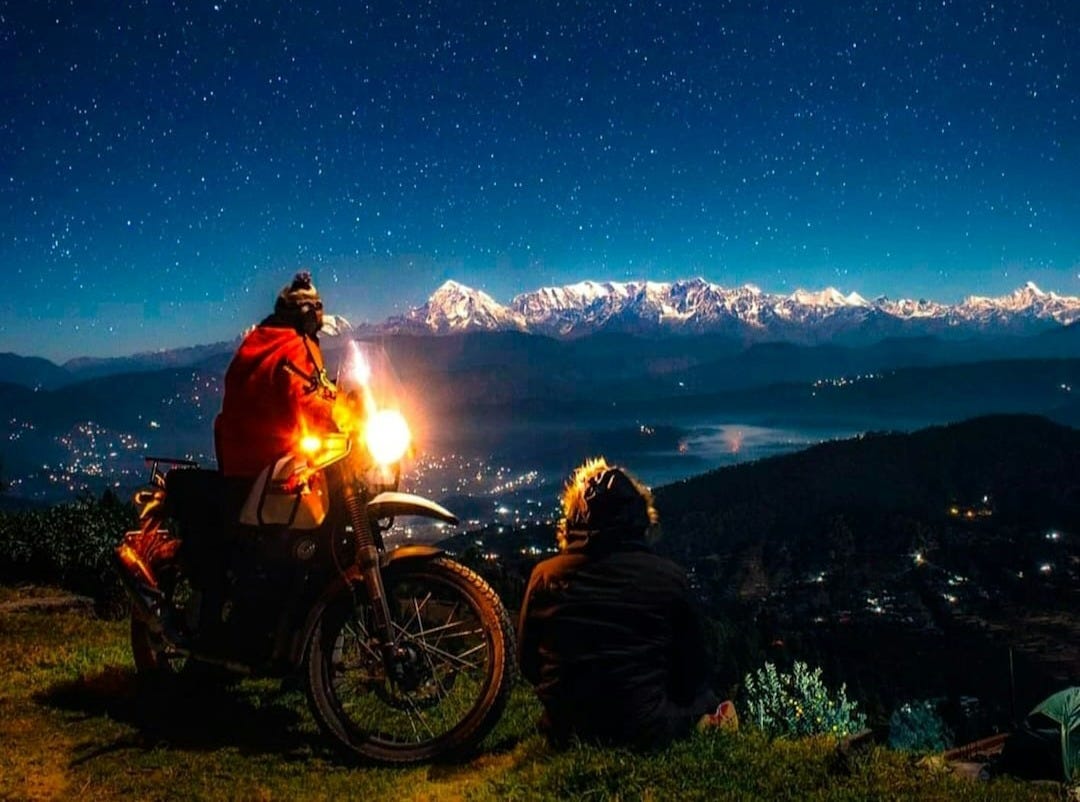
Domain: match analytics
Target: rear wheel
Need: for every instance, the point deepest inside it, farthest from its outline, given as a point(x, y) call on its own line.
point(159, 664)
point(447, 683)
point(154, 656)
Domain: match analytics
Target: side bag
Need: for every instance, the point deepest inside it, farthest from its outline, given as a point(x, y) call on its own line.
point(276, 500)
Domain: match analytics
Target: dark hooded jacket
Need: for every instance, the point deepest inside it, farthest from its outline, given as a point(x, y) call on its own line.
point(610, 635)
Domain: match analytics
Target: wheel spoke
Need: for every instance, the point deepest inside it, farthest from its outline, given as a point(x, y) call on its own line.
point(427, 657)
point(419, 608)
point(445, 627)
point(449, 618)
point(419, 714)
point(364, 640)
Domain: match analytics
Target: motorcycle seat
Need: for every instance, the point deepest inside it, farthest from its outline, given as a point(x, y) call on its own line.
point(194, 498)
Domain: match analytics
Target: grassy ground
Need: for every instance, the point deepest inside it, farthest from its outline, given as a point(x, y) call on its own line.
point(73, 726)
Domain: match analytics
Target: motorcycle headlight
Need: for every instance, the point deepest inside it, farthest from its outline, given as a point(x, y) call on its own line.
point(387, 436)
point(310, 444)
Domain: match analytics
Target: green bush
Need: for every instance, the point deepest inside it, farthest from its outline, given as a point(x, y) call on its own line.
point(917, 727)
point(68, 545)
point(798, 704)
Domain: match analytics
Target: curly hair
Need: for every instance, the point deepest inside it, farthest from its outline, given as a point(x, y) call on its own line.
point(635, 511)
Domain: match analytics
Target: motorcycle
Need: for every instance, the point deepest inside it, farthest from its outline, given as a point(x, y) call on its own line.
point(405, 655)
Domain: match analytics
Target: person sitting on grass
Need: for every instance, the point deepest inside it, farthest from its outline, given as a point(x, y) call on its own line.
point(609, 632)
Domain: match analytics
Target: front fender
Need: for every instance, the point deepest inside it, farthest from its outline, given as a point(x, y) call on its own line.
point(414, 552)
point(391, 504)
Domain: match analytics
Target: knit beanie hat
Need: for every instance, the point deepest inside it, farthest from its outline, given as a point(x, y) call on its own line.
point(295, 295)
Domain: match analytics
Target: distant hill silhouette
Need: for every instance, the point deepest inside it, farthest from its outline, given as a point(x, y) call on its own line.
point(908, 396)
point(92, 367)
point(126, 401)
point(609, 354)
point(502, 368)
point(1028, 466)
point(32, 371)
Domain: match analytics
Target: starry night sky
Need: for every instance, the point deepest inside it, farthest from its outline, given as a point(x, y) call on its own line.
point(167, 166)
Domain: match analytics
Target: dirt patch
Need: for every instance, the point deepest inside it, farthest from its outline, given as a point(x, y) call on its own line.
point(38, 599)
point(49, 604)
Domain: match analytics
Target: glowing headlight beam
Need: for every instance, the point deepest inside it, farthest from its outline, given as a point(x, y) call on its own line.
point(387, 436)
point(359, 369)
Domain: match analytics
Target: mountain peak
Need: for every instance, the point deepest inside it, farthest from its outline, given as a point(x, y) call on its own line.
point(450, 286)
point(454, 307)
point(335, 325)
point(854, 299)
point(830, 296)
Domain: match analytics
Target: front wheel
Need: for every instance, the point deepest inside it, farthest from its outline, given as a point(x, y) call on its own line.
point(445, 687)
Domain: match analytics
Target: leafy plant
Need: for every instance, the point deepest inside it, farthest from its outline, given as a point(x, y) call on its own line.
point(798, 703)
point(67, 545)
point(918, 727)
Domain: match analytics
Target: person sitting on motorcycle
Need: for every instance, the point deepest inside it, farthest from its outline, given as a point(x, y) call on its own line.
point(276, 387)
point(609, 633)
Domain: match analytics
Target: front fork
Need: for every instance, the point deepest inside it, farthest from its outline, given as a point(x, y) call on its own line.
point(367, 560)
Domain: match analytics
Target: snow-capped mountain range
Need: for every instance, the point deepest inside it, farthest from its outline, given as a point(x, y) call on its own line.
point(651, 308)
point(696, 306)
